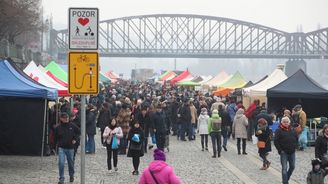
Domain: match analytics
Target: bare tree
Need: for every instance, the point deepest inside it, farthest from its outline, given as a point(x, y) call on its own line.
point(19, 16)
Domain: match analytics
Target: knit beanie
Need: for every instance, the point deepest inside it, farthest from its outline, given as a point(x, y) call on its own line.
point(159, 155)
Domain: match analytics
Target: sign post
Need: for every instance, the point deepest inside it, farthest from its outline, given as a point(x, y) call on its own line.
point(83, 66)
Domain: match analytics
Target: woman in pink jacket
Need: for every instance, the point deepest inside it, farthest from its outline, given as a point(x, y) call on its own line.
point(158, 171)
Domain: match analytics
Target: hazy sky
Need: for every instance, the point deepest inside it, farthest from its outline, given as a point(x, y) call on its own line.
point(281, 14)
point(285, 15)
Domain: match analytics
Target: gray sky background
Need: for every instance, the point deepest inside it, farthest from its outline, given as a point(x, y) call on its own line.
point(286, 15)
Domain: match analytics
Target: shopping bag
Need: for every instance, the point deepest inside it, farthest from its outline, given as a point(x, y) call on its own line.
point(254, 139)
point(261, 144)
point(114, 143)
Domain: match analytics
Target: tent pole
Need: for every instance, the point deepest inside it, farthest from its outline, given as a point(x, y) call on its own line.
point(43, 129)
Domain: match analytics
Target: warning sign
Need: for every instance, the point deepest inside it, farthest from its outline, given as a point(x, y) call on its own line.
point(83, 73)
point(83, 28)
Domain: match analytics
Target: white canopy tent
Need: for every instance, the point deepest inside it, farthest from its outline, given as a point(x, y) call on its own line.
point(218, 79)
point(35, 73)
point(259, 90)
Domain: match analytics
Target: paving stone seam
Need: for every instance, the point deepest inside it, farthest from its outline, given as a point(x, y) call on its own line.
point(237, 172)
point(255, 159)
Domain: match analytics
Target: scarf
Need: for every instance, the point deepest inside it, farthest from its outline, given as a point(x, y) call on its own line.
point(284, 127)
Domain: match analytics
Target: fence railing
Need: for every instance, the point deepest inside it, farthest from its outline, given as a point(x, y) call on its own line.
point(19, 53)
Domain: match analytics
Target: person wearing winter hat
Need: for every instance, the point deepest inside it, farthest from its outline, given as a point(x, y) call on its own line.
point(159, 171)
point(264, 135)
point(203, 127)
point(214, 129)
point(321, 145)
point(317, 174)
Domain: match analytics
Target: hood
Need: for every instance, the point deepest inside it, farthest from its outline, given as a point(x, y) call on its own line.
point(157, 165)
point(240, 113)
point(321, 133)
point(215, 116)
point(203, 116)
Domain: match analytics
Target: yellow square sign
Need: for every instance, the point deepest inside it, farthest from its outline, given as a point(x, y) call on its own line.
point(83, 73)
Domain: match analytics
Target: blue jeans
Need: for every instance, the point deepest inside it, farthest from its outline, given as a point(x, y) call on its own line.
point(284, 158)
point(225, 137)
point(69, 153)
point(216, 142)
point(189, 130)
point(179, 126)
point(193, 129)
point(90, 145)
point(184, 128)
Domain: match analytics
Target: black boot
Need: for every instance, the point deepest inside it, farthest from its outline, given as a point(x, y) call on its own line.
point(214, 155)
point(238, 148)
point(244, 147)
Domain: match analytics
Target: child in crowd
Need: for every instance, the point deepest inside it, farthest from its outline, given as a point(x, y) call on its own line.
point(317, 174)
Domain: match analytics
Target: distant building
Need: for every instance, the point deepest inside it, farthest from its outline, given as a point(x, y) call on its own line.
point(142, 74)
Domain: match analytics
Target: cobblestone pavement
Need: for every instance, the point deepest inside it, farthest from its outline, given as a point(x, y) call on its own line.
point(191, 164)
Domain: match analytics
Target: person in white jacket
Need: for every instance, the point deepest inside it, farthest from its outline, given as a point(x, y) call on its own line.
point(203, 127)
point(111, 136)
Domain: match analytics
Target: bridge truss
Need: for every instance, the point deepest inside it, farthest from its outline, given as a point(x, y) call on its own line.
point(176, 35)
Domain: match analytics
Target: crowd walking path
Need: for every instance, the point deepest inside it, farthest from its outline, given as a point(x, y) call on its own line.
point(192, 165)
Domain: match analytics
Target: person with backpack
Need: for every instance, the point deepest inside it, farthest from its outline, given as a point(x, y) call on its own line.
point(299, 117)
point(214, 129)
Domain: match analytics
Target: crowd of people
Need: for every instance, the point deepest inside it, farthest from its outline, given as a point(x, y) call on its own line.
point(133, 118)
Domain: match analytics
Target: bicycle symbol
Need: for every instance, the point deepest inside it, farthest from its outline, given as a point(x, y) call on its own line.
point(83, 58)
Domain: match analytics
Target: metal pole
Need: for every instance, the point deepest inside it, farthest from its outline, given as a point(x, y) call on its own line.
point(44, 128)
point(82, 139)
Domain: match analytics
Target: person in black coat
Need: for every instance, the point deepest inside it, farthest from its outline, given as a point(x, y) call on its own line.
point(264, 134)
point(160, 127)
point(104, 118)
point(286, 142)
point(321, 146)
point(145, 123)
point(174, 106)
point(226, 125)
point(264, 114)
point(91, 114)
point(136, 138)
point(185, 117)
point(66, 136)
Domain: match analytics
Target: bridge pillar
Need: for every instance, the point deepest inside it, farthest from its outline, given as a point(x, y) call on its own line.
point(292, 65)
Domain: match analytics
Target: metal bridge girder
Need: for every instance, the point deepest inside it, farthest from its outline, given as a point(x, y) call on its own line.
point(175, 35)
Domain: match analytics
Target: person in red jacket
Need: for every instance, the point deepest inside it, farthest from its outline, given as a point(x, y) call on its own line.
point(159, 171)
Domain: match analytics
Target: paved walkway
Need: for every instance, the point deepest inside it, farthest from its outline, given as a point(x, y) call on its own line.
point(191, 164)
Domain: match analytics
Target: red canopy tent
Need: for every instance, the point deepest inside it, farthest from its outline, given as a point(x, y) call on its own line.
point(180, 77)
point(56, 79)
